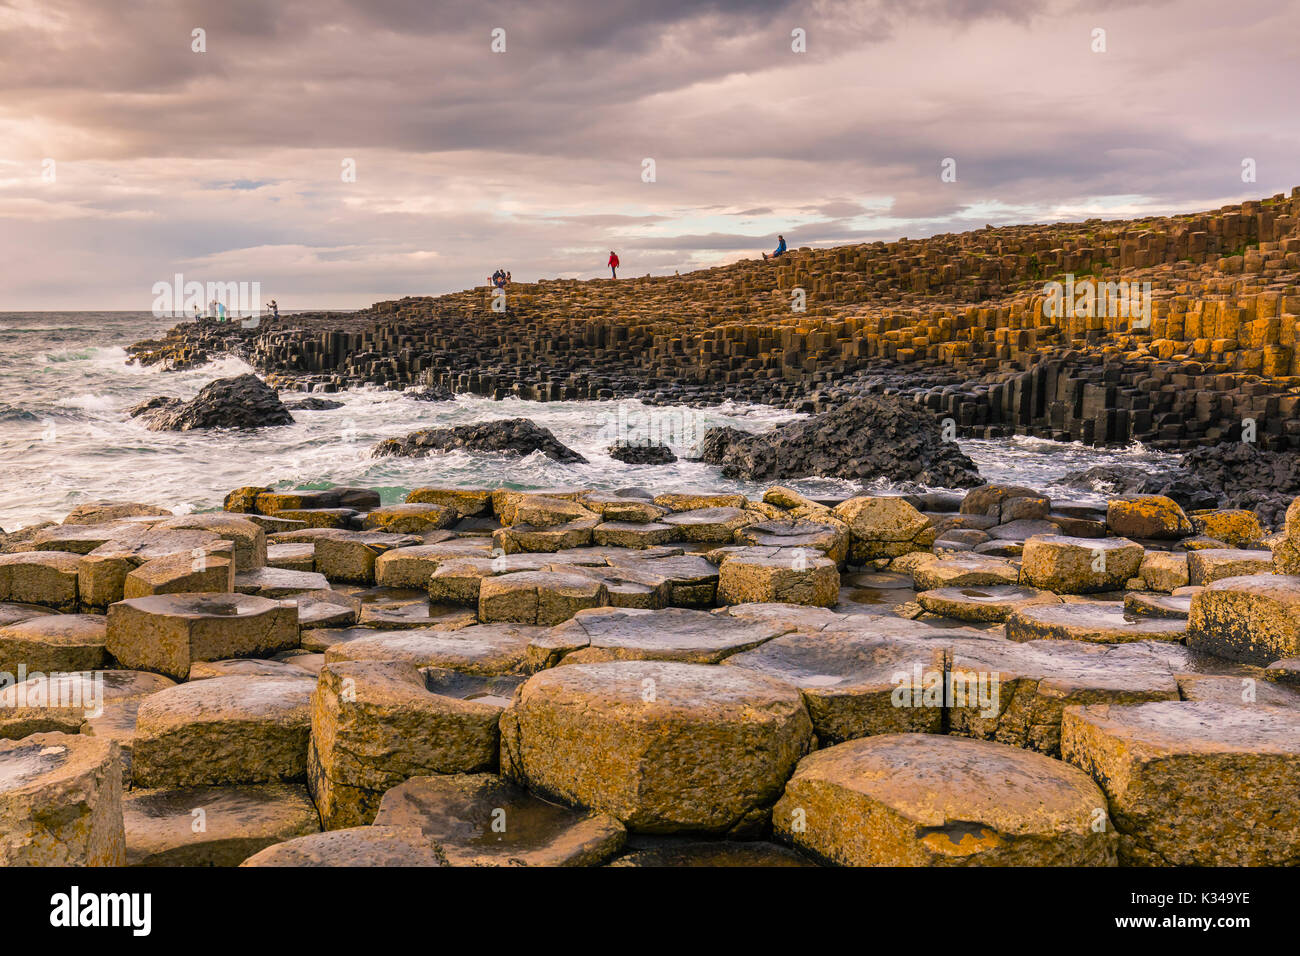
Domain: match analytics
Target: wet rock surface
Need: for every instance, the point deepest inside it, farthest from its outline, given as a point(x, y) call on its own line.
point(517, 436)
point(241, 402)
point(867, 438)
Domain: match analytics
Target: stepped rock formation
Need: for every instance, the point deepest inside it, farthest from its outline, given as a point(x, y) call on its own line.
point(956, 320)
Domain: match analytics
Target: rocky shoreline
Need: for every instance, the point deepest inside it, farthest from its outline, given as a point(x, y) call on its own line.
point(653, 677)
point(962, 324)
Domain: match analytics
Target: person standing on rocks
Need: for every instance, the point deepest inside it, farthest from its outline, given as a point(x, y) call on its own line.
point(780, 248)
point(613, 264)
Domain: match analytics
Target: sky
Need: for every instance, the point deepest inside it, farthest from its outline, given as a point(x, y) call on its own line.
point(342, 152)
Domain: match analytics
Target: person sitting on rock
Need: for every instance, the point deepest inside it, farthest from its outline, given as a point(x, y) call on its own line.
point(613, 264)
point(780, 248)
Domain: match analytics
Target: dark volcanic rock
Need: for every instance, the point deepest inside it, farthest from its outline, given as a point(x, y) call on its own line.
point(241, 402)
point(1109, 479)
point(429, 393)
point(517, 435)
point(634, 454)
point(1229, 475)
point(871, 437)
point(313, 404)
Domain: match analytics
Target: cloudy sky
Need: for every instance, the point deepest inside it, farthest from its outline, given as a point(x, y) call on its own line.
point(229, 164)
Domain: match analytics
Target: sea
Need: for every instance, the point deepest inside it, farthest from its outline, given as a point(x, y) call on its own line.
point(66, 437)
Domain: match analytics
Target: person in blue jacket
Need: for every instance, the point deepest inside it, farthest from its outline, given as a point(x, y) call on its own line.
point(780, 248)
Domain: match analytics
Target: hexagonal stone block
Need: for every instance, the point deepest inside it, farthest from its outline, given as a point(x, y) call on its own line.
point(224, 730)
point(466, 503)
point(357, 846)
point(1015, 693)
point(249, 537)
point(1285, 671)
point(168, 632)
point(966, 570)
point(1158, 605)
point(1241, 691)
point(102, 574)
point(84, 538)
point(482, 649)
point(527, 539)
point(96, 512)
point(709, 524)
point(698, 500)
point(1147, 517)
point(416, 614)
point(291, 556)
point(541, 512)
point(930, 800)
point(1079, 565)
point(11, 613)
point(409, 567)
point(327, 608)
point(54, 642)
point(1235, 527)
point(1093, 621)
point(483, 820)
point(857, 684)
point(791, 577)
point(831, 540)
point(213, 826)
point(180, 574)
point(538, 597)
point(40, 577)
point(662, 746)
point(794, 617)
point(1162, 571)
point(66, 701)
point(278, 583)
point(1255, 619)
point(1194, 784)
point(1214, 564)
point(412, 518)
point(625, 534)
point(349, 556)
point(672, 634)
point(375, 724)
point(458, 580)
point(993, 603)
point(637, 587)
point(883, 527)
point(60, 802)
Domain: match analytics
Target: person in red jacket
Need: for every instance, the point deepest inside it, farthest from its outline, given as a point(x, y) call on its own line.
point(613, 264)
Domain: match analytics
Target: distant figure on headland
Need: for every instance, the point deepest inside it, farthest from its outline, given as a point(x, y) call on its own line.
point(613, 264)
point(780, 248)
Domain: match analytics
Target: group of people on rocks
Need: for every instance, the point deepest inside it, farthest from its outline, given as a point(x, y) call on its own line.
point(501, 278)
point(217, 310)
